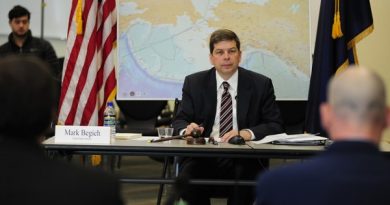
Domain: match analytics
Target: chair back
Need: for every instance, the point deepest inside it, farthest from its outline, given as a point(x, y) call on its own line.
point(293, 115)
point(141, 115)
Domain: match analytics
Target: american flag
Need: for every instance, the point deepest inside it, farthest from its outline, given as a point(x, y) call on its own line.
point(88, 80)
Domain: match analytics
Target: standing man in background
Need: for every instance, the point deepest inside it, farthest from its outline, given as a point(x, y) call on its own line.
point(352, 170)
point(21, 41)
point(223, 102)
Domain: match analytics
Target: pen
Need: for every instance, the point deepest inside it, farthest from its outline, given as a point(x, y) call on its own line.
point(166, 138)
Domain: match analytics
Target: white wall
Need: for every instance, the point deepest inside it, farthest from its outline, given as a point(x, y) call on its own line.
point(55, 20)
point(373, 51)
point(56, 14)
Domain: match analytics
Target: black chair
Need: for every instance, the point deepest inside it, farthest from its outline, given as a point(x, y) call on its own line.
point(142, 116)
point(293, 115)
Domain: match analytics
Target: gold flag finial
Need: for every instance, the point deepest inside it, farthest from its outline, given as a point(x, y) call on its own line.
point(336, 29)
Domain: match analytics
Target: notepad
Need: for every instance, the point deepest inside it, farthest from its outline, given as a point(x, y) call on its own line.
point(126, 136)
point(296, 139)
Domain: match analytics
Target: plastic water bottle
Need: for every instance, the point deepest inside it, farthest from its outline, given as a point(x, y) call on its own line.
point(110, 118)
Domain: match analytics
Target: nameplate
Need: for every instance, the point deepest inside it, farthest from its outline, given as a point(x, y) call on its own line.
point(82, 134)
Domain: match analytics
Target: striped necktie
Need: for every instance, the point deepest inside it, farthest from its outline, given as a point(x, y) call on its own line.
point(226, 114)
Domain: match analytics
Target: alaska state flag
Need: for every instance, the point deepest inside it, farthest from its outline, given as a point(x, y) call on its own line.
point(341, 24)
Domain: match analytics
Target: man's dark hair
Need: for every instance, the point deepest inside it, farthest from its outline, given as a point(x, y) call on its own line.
point(18, 11)
point(27, 97)
point(223, 35)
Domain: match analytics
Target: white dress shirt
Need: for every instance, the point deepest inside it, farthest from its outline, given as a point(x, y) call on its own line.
point(233, 82)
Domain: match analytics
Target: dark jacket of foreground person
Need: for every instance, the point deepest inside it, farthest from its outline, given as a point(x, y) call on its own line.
point(26, 175)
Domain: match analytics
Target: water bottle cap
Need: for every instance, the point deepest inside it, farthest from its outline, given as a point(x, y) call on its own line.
point(110, 104)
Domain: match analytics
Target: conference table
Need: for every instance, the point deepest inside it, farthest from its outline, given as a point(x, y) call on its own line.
point(141, 146)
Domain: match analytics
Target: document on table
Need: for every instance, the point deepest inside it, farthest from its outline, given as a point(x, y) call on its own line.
point(146, 138)
point(126, 136)
point(284, 138)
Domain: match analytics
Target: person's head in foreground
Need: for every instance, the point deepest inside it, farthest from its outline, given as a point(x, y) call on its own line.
point(28, 97)
point(352, 170)
point(356, 107)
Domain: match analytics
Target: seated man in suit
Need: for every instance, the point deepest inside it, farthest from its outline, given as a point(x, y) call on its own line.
point(352, 170)
point(26, 176)
point(223, 102)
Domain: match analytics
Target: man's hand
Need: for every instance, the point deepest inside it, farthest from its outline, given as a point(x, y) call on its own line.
point(193, 126)
point(244, 133)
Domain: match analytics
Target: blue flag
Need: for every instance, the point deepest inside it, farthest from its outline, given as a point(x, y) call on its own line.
point(341, 24)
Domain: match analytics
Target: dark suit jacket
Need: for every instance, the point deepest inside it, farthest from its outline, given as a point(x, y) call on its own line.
point(256, 107)
point(347, 173)
point(27, 177)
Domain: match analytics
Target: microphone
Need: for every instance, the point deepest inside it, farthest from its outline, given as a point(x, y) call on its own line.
point(195, 134)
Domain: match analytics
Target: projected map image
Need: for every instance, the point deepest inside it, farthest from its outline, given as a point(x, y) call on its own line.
point(162, 41)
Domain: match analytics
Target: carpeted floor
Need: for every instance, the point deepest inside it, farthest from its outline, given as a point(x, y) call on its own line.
point(145, 194)
point(146, 167)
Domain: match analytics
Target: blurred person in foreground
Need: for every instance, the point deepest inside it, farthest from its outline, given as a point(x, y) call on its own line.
point(26, 175)
point(352, 170)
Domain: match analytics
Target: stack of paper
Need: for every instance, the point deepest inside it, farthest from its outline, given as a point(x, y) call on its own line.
point(126, 136)
point(297, 139)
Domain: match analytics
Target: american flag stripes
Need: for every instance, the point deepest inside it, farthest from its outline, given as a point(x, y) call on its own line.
point(89, 79)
